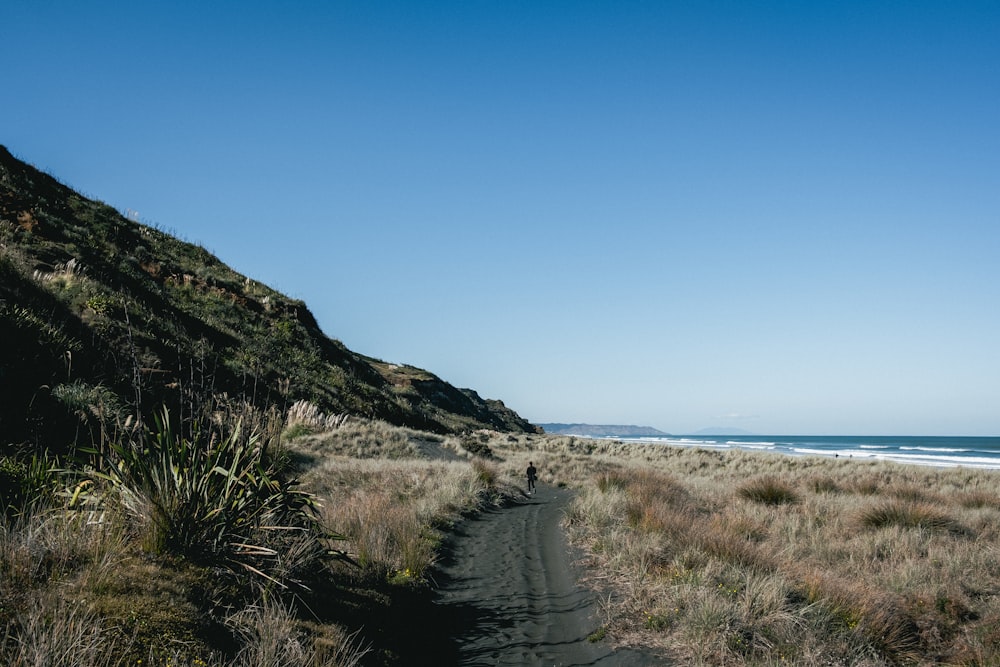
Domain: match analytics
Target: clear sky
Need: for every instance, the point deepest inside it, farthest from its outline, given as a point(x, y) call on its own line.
point(777, 216)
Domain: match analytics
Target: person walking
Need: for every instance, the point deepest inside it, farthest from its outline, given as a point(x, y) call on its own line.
point(532, 475)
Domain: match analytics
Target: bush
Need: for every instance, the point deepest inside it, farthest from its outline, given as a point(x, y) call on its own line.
point(214, 497)
point(24, 482)
point(477, 445)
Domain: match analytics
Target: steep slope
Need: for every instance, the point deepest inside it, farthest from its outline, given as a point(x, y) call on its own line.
point(99, 312)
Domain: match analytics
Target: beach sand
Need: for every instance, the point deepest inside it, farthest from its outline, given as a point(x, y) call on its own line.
point(508, 584)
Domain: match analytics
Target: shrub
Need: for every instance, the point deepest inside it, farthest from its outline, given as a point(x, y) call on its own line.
point(85, 400)
point(214, 497)
point(477, 445)
point(25, 482)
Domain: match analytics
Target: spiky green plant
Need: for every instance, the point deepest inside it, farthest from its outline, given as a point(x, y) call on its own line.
point(25, 482)
point(213, 497)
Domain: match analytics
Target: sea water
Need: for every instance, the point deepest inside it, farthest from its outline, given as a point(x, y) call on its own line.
point(971, 452)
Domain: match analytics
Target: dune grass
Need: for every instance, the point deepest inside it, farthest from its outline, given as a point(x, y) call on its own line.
point(391, 511)
point(223, 544)
point(707, 557)
point(744, 558)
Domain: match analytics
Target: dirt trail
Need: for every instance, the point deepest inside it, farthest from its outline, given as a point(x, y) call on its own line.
point(508, 588)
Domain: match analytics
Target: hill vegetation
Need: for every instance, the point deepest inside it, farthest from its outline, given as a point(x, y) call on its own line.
point(102, 314)
point(151, 510)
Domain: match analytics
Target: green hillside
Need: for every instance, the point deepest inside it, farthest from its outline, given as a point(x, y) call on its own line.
point(102, 314)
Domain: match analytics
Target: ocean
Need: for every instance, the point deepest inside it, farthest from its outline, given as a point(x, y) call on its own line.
point(971, 452)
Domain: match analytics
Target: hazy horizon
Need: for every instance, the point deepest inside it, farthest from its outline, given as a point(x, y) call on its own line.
point(766, 216)
point(723, 431)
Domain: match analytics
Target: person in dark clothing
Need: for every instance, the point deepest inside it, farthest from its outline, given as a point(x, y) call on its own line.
point(532, 475)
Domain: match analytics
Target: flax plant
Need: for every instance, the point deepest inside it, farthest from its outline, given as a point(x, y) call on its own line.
point(213, 497)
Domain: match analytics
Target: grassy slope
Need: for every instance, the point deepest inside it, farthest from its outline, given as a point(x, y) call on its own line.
point(96, 308)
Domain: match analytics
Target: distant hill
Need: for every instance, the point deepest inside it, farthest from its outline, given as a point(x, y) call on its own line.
point(603, 431)
point(101, 313)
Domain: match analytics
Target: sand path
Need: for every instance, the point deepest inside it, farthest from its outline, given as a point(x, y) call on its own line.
point(507, 583)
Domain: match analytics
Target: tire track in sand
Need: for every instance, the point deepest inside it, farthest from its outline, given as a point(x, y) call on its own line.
point(507, 584)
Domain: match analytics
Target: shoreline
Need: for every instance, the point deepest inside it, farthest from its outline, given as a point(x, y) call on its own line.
point(975, 452)
point(729, 556)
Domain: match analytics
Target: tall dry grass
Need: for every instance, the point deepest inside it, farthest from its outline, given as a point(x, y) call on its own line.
point(111, 573)
point(713, 558)
point(272, 636)
point(358, 438)
point(743, 558)
point(391, 511)
point(56, 634)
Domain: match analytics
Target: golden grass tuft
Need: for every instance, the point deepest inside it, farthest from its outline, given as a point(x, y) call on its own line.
point(487, 473)
point(979, 499)
point(823, 484)
point(874, 621)
point(908, 514)
point(362, 439)
point(271, 636)
point(769, 491)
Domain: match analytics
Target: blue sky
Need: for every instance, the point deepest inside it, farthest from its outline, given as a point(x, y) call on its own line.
point(777, 216)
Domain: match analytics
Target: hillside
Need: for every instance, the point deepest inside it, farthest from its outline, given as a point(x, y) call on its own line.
point(99, 313)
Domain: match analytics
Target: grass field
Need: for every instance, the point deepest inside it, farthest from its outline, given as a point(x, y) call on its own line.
point(711, 558)
point(743, 558)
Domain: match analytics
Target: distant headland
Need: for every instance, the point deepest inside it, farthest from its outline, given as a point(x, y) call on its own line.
point(603, 430)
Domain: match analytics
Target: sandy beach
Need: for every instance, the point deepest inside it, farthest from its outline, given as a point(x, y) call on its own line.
point(508, 582)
